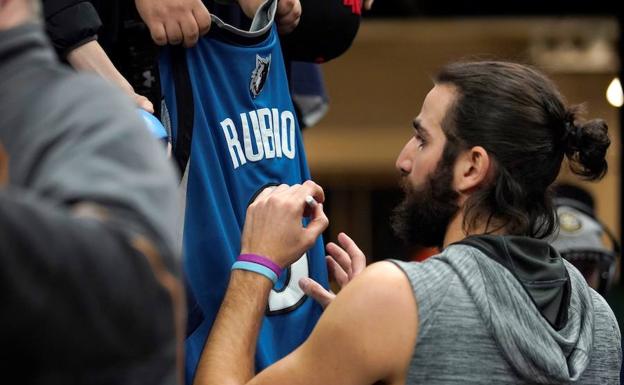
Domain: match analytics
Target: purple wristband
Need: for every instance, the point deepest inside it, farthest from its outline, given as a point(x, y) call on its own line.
point(260, 260)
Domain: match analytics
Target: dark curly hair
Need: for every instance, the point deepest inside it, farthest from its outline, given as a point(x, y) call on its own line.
point(519, 117)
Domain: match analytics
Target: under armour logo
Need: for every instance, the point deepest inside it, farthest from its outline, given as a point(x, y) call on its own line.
point(149, 79)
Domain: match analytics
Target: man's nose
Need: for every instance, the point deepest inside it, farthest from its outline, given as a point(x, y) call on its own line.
point(404, 161)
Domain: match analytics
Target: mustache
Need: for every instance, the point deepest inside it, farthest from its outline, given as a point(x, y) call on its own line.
point(409, 189)
point(404, 184)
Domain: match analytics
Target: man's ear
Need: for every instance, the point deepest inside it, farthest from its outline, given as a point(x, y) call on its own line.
point(472, 169)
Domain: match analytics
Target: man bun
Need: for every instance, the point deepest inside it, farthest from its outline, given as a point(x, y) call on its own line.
point(586, 145)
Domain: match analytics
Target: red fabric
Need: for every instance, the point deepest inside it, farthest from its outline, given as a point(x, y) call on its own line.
point(356, 6)
point(424, 253)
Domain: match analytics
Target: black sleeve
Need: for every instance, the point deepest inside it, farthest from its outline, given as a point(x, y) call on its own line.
point(70, 23)
point(78, 277)
point(326, 30)
point(103, 286)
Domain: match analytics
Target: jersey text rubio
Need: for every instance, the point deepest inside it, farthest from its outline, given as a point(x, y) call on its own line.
point(266, 133)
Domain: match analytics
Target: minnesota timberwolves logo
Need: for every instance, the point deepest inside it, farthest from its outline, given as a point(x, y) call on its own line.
point(259, 74)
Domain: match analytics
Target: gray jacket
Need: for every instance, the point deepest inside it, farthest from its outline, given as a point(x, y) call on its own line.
point(85, 298)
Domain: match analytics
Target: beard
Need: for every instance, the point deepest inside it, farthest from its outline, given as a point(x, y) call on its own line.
point(423, 216)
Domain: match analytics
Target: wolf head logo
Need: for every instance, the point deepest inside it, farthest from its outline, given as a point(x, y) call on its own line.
point(259, 74)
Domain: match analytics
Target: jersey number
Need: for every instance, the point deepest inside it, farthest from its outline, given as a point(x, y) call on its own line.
point(290, 296)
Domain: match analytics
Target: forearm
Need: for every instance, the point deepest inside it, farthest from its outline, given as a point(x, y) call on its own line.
point(91, 57)
point(228, 356)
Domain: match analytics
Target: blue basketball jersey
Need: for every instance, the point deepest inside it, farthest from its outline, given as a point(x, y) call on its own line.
point(245, 136)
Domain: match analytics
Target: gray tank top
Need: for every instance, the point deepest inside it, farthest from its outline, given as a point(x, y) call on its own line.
point(477, 325)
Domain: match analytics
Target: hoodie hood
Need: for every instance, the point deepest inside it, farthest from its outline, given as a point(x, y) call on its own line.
point(537, 306)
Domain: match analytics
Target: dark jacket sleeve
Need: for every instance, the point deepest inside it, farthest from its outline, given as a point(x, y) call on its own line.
point(70, 23)
point(80, 278)
point(103, 286)
point(326, 30)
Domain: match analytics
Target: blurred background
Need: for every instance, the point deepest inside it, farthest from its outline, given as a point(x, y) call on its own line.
point(377, 88)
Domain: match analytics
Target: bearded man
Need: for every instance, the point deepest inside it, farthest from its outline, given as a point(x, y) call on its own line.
point(497, 305)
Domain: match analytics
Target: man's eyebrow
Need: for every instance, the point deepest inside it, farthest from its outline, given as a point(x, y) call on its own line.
point(416, 123)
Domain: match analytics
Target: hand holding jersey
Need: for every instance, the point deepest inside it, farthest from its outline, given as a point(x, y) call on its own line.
point(185, 21)
point(288, 15)
point(175, 21)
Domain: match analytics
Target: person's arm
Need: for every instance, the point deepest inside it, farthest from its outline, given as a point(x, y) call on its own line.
point(72, 26)
point(367, 334)
point(91, 57)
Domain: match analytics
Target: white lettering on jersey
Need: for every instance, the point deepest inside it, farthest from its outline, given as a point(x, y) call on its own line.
point(276, 131)
point(264, 116)
point(288, 128)
point(231, 137)
point(267, 133)
point(249, 153)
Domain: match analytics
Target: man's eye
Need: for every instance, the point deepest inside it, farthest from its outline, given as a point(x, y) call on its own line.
point(420, 142)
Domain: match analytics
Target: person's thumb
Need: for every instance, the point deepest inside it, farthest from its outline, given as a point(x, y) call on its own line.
point(318, 222)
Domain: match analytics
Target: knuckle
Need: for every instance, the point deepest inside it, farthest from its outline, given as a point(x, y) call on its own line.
point(177, 9)
point(204, 22)
point(193, 35)
point(156, 15)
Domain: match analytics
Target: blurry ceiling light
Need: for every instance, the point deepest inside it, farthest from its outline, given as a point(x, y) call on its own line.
point(614, 93)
